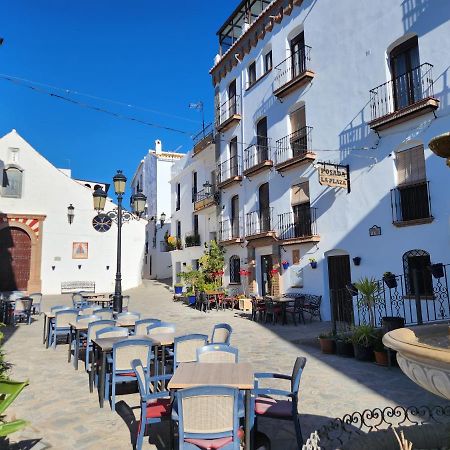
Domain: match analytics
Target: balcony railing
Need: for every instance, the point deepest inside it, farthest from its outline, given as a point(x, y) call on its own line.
point(300, 224)
point(204, 198)
point(228, 110)
point(411, 204)
point(203, 138)
point(260, 221)
point(229, 169)
point(192, 240)
point(294, 145)
point(257, 154)
point(402, 91)
point(292, 69)
point(231, 229)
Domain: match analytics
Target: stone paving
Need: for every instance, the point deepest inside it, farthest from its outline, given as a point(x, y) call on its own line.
point(64, 415)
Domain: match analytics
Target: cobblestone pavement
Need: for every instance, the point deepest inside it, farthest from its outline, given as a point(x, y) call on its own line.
point(64, 415)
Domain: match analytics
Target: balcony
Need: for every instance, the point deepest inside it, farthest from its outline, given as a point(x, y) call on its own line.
point(228, 114)
point(294, 150)
point(411, 204)
point(298, 227)
point(192, 240)
point(293, 73)
point(403, 98)
point(203, 139)
point(204, 199)
point(229, 172)
point(257, 157)
point(231, 231)
point(259, 227)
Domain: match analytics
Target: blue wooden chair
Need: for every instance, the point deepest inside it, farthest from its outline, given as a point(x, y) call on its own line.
point(123, 353)
point(217, 353)
point(93, 327)
point(155, 406)
point(22, 310)
point(161, 327)
point(140, 326)
point(60, 326)
point(221, 334)
point(185, 347)
point(78, 301)
point(37, 301)
point(208, 418)
point(267, 406)
point(104, 313)
point(109, 332)
point(59, 308)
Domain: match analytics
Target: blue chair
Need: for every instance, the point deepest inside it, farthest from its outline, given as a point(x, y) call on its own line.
point(123, 353)
point(267, 406)
point(221, 334)
point(61, 325)
point(155, 406)
point(140, 326)
point(217, 353)
point(22, 310)
point(185, 347)
point(37, 301)
point(128, 315)
point(202, 411)
point(93, 327)
point(161, 327)
point(78, 301)
point(59, 308)
point(110, 332)
point(104, 313)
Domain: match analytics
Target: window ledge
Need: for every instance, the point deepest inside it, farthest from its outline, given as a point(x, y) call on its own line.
point(410, 223)
point(258, 80)
point(234, 284)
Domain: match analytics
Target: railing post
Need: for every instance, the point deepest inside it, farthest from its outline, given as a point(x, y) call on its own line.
point(415, 274)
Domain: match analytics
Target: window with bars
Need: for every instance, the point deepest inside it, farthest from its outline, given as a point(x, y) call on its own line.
point(268, 61)
point(251, 74)
point(416, 265)
point(12, 182)
point(301, 209)
point(235, 269)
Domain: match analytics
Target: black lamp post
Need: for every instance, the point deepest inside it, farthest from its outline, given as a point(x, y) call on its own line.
point(70, 213)
point(162, 219)
point(138, 204)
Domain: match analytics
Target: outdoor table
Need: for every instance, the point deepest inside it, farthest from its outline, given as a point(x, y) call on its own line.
point(48, 317)
point(98, 301)
point(76, 327)
point(283, 301)
point(127, 322)
point(237, 375)
point(216, 295)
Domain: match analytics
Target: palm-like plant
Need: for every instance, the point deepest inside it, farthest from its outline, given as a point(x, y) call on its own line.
point(368, 288)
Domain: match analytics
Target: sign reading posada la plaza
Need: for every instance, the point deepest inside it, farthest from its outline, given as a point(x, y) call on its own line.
point(334, 175)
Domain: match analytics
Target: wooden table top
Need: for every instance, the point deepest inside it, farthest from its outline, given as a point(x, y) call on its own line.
point(282, 300)
point(106, 344)
point(163, 338)
point(125, 322)
point(237, 375)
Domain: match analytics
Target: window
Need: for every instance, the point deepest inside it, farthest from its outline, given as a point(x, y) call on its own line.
point(235, 228)
point(234, 158)
point(410, 166)
point(251, 74)
point(178, 229)
point(235, 268)
point(298, 62)
point(268, 62)
point(12, 182)
point(194, 186)
point(301, 210)
point(178, 192)
point(232, 99)
point(195, 224)
point(195, 264)
point(416, 264)
point(262, 141)
point(298, 138)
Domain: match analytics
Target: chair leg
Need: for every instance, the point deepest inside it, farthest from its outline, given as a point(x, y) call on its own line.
point(140, 436)
point(298, 432)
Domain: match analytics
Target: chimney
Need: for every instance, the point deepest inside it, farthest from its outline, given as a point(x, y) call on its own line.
point(158, 146)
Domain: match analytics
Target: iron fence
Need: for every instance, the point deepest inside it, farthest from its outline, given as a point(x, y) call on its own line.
point(205, 132)
point(257, 153)
point(231, 229)
point(292, 67)
point(228, 109)
point(228, 169)
point(300, 224)
point(411, 202)
point(402, 91)
point(192, 240)
point(293, 145)
point(260, 221)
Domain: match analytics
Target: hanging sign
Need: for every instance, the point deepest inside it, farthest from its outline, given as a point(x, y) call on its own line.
point(334, 175)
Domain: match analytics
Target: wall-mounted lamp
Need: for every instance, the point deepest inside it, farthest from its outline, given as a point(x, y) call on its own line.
point(79, 266)
point(53, 267)
point(162, 219)
point(107, 267)
point(70, 213)
point(357, 260)
point(184, 264)
point(207, 186)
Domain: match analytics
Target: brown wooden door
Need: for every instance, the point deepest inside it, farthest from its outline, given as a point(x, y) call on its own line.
point(266, 276)
point(264, 209)
point(15, 259)
point(338, 277)
point(261, 141)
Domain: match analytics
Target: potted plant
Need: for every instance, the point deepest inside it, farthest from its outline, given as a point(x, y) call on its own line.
point(313, 263)
point(369, 290)
point(285, 264)
point(191, 296)
point(437, 270)
point(381, 356)
point(357, 260)
point(389, 280)
point(352, 289)
point(344, 345)
point(363, 338)
point(392, 323)
point(327, 342)
point(178, 288)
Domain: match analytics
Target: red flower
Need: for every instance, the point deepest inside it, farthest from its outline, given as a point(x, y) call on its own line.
point(274, 272)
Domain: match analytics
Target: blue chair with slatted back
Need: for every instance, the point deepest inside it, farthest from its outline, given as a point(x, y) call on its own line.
point(185, 347)
point(140, 326)
point(217, 353)
point(221, 334)
point(61, 325)
point(93, 327)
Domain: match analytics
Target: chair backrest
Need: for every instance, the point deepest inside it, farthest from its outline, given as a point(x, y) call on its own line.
point(93, 327)
point(185, 347)
point(37, 297)
point(109, 332)
point(64, 317)
point(313, 300)
point(160, 328)
point(297, 371)
point(77, 299)
point(217, 353)
point(221, 334)
point(125, 301)
point(23, 304)
point(208, 412)
point(87, 319)
point(55, 308)
point(104, 313)
point(90, 309)
point(140, 326)
point(142, 380)
point(129, 315)
point(124, 352)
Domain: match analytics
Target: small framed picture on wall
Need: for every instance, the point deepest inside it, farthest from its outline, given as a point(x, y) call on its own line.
point(80, 250)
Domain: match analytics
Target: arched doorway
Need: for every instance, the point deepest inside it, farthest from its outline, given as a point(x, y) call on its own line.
point(15, 259)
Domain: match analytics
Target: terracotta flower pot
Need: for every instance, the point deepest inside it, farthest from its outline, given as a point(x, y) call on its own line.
point(327, 345)
point(381, 358)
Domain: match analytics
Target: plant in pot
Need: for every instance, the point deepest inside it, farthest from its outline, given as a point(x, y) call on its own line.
point(313, 263)
point(381, 355)
point(369, 290)
point(344, 345)
point(327, 342)
point(389, 280)
point(363, 338)
point(178, 288)
point(285, 264)
point(437, 270)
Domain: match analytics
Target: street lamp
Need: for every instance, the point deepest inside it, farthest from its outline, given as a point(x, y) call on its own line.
point(207, 186)
point(162, 219)
point(99, 199)
point(138, 203)
point(70, 213)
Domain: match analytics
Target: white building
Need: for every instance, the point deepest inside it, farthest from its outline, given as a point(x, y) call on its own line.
point(194, 204)
point(39, 249)
point(152, 177)
point(363, 85)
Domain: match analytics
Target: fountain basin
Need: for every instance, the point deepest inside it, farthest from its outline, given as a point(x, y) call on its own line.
point(423, 354)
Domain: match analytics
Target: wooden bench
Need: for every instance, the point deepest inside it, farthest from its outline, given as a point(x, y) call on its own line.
point(69, 287)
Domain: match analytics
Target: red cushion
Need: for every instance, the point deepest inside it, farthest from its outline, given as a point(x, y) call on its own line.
point(125, 374)
point(159, 407)
point(213, 444)
point(273, 408)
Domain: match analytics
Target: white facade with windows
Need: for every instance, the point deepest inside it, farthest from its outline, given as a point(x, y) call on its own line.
point(303, 86)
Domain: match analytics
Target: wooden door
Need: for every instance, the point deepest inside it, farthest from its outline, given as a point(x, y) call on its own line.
point(235, 216)
point(266, 276)
point(298, 55)
point(261, 141)
point(264, 209)
point(232, 99)
point(338, 277)
point(15, 259)
point(234, 168)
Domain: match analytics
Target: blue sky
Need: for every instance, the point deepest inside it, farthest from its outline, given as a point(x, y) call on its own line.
point(147, 53)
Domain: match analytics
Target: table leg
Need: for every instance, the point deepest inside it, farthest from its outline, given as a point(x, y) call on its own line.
point(92, 367)
point(248, 424)
point(48, 332)
point(101, 380)
point(77, 348)
point(283, 311)
point(45, 329)
point(163, 363)
point(69, 356)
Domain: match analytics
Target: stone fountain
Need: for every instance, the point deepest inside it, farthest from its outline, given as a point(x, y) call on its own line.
point(440, 146)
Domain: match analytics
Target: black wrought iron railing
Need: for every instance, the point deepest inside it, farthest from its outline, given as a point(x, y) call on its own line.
point(192, 240)
point(228, 169)
point(292, 67)
point(260, 221)
point(231, 229)
point(411, 202)
point(402, 91)
point(204, 194)
point(297, 224)
point(293, 145)
point(257, 153)
point(228, 109)
point(205, 132)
